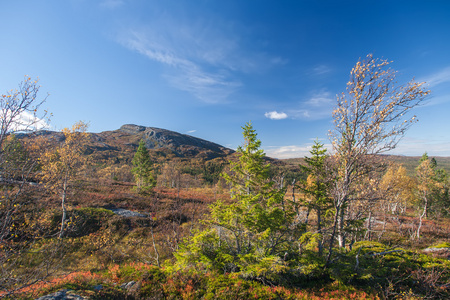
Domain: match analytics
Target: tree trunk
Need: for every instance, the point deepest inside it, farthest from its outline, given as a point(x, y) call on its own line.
point(154, 245)
point(64, 211)
point(340, 227)
point(307, 215)
point(333, 234)
point(424, 214)
point(368, 234)
point(319, 229)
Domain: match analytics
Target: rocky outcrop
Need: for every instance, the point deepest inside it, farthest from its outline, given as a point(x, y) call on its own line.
point(132, 129)
point(181, 144)
point(62, 295)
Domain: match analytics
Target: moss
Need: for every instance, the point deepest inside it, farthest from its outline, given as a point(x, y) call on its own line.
point(442, 245)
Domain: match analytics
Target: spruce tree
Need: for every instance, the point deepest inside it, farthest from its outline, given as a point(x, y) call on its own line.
point(256, 232)
point(316, 186)
point(143, 169)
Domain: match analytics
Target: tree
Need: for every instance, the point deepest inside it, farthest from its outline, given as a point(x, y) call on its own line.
point(254, 233)
point(432, 188)
point(60, 165)
point(397, 188)
point(19, 231)
point(316, 187)
point(19, 109)
point(142, 168)
point(369, 119)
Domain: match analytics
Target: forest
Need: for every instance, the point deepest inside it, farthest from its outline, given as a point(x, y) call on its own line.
point(109, 217)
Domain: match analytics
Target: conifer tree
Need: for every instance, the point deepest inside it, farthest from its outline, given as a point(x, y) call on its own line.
point(143, 169)
point(254, 234)
point(316, 187)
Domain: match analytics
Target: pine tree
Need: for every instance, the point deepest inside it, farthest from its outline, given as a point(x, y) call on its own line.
point(143, 169)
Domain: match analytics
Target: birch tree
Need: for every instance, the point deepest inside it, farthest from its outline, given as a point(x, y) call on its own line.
point(370, 118)
point(61, 164)
point(19, 112)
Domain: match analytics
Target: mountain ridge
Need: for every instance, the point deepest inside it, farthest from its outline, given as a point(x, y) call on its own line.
point(123, 142)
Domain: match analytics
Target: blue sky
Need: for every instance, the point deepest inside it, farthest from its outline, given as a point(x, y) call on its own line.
point(205, 68)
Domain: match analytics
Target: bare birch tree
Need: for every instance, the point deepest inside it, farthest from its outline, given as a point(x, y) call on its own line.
point(19, 231)
point(370, 119)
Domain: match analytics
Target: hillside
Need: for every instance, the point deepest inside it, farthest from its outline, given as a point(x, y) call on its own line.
point(120, 145)
point(182, 145)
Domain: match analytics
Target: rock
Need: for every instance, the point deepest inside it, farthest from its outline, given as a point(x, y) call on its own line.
point(62, 295)
point(127, 213)
point(131, 128)
point(442, 252)
point(434, 249)
point(127, 285)
point(134, 289)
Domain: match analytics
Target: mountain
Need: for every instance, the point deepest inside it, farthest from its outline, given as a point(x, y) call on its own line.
point(181, 144)
point(122, 143)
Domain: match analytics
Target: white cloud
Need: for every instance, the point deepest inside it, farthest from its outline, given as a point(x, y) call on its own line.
point(274, 115)
point(26, 121)
point(191, 131)
point(438, 78)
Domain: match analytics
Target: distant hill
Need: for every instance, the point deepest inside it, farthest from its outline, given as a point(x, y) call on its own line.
point(409, 162)
point(121, 144)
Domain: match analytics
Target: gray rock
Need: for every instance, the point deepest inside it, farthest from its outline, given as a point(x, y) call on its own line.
point(62, 295)
point(434, 249)
point(131, 128)
point(127, 213)
point(128, 285)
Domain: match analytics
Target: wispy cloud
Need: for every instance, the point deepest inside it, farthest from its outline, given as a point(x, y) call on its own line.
point(274, 115)
point(187, 68)
point(440, 77)
point(191, 131)
point(111, 4)
point(292, 151)
point(321, 70)
point(187, 74)
point(417, 146)
point(205, 57)
point(318, 106)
